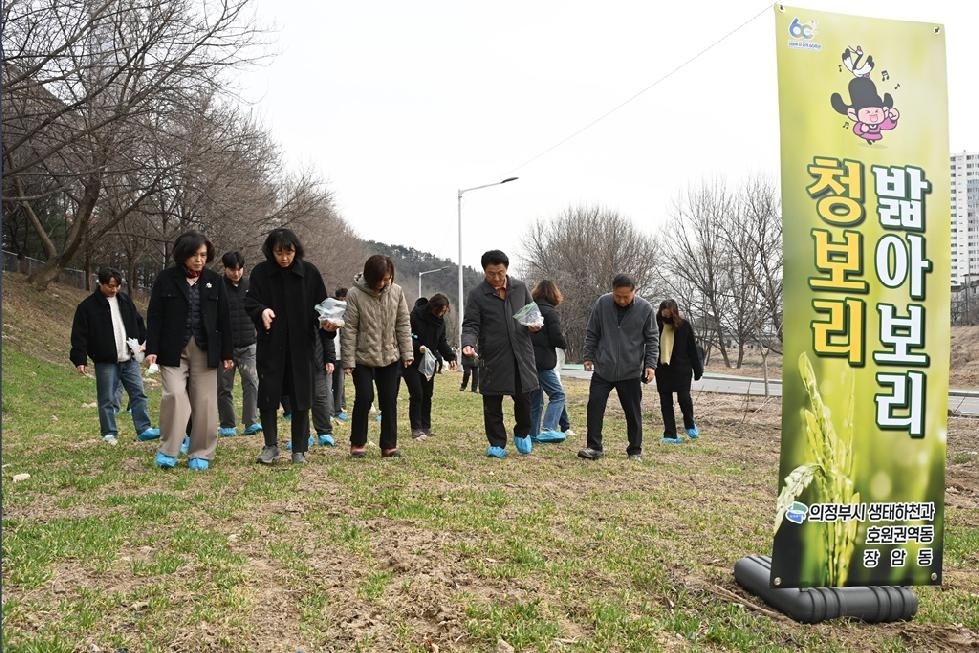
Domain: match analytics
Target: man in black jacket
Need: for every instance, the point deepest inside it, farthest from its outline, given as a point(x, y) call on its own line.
point(505, 351)
point(243, 342)
point(104, 323)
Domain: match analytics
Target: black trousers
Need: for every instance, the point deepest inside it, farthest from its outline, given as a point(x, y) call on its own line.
point(686, 408)
point(299, 429)
point(493, 415)
point(388, 381)
point(420, 393)
point(630, 397)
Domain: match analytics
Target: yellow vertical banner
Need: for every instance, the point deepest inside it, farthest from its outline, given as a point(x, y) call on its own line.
point(863, 113)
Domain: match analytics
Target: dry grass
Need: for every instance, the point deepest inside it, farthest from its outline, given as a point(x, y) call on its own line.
point(444, 550)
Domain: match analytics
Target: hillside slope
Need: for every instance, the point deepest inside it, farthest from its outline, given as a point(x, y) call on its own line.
point(40, 324)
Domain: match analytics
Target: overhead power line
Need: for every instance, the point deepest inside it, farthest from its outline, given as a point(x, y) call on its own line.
point(636, 95)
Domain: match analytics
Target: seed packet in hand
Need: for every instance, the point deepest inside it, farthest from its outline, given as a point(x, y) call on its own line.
point(530, 315)
point(332, 310)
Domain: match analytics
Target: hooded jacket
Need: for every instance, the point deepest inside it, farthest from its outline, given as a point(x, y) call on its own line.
point(377, 328)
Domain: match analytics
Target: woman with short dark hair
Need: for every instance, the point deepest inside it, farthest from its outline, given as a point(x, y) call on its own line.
point(427, 334)
point(283, 291)
point(375, 345)
point(189, 337)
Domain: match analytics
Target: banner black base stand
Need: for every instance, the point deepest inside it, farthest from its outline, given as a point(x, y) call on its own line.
point(815, 604)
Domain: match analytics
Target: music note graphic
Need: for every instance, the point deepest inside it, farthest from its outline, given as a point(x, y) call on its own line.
point(884, 76)
point(846, 123)
point(841, 67)
point(897, 87)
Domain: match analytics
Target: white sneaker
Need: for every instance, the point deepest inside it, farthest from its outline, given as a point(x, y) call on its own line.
point(108, 438)
point(569, 434)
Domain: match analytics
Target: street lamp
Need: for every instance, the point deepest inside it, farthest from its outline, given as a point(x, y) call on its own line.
point(428, 272)
point(462, 299)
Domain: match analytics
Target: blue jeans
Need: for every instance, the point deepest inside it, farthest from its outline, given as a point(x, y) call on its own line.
point(550, 384)
point(107, 376)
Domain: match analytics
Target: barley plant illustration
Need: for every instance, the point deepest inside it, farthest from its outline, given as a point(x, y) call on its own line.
point(828, 471)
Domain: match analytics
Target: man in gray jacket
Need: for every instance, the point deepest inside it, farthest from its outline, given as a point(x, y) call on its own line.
point(506, 353)
point(621, 350)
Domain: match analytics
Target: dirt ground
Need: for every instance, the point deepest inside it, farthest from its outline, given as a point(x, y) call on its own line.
point(40, 326)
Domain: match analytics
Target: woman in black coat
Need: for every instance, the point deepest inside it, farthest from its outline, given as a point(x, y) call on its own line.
point(189, 336)
point(678, 359)
point(427, 334)
point(283, 291)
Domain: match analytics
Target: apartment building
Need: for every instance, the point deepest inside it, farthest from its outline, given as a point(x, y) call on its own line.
point(965, 218)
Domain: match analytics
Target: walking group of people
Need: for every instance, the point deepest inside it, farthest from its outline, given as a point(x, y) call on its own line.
point(201, 326)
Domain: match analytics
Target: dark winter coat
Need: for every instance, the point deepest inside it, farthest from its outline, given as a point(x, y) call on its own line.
point(621, 343)
point(242, 327)
point(169, 309)
point(292, 293)
point(548, 338)
point(504, 346)
point(684, 360)
point(91, 330)
point(428, 330)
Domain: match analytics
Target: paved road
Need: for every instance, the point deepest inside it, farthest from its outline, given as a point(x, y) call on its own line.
point(960, 402)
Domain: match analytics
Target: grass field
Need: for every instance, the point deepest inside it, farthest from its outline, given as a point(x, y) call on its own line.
point(442, 550)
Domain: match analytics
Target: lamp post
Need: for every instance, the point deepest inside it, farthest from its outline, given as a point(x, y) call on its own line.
point(428, 272)
point(462, 299)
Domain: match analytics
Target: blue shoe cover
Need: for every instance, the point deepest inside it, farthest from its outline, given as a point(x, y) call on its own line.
point(550, 436)
point(326, 440)
point(227, 431)
point(693, 433)
point(148, 434)
point(164, 461)
point(253, 429)
point(676, 440)
point(524, 444)
point(198, 464)
point(185, 445)
point(289, 443)
point(496, 452)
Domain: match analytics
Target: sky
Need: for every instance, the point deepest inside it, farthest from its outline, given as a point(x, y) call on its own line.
point(620, 104)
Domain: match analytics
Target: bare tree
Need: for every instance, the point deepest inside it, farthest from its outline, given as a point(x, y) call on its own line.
point(697, 263)
point(581, 251)
point(329, 240)
point(87, 84)
point(756, 239)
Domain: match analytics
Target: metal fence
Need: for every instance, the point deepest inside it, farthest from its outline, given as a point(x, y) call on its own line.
point(26, 265)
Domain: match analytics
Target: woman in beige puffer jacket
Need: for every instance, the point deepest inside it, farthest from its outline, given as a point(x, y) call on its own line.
point(375, 343)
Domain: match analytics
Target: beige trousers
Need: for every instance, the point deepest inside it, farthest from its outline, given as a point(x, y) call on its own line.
point(190, 392)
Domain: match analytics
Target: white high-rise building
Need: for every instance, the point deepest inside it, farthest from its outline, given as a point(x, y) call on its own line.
point(965, 218)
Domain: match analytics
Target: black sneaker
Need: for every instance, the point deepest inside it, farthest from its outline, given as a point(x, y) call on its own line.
point(590, 454)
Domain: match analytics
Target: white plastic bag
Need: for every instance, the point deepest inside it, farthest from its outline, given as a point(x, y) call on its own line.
point(428, 365)
point(530, 315)
point(332, 310)
point(138, 353)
